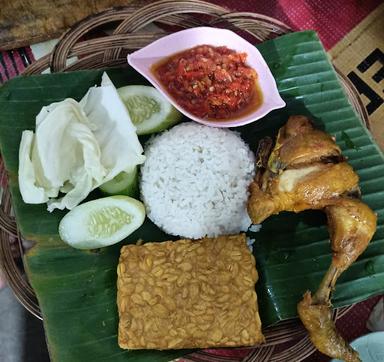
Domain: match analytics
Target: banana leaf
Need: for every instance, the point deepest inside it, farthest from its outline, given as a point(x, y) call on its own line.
point(77, 289)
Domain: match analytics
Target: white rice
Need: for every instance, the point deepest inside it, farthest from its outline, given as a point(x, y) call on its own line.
point(255, 228)
point(195, 179)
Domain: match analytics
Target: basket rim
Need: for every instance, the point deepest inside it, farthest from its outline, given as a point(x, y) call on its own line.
point(71, 44)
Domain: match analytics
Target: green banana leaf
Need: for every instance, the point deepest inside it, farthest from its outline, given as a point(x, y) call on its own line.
point(77, 289)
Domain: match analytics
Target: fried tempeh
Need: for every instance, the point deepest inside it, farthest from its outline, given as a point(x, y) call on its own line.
point(188, 294)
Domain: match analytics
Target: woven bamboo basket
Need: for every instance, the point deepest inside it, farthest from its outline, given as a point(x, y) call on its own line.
point(130, 28)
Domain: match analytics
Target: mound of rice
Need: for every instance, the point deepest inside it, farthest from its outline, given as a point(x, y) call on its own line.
point(195, 179)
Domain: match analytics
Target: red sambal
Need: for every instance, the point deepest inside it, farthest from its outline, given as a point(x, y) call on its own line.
point(210, 82)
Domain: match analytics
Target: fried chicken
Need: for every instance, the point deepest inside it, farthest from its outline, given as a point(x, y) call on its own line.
point(306, 170)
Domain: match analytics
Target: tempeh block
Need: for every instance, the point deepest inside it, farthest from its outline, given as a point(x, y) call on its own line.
point(188, 294)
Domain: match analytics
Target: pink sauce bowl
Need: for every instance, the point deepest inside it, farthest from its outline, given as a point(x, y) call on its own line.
point(144, 59)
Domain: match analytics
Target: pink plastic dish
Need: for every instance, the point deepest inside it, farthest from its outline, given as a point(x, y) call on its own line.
point(143, 60)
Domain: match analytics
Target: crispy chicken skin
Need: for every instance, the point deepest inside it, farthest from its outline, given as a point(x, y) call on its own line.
point(298, 143)
point(306, 170)
point(317, 319)
point(308, 148)
point(351, 225)
point(311, 187)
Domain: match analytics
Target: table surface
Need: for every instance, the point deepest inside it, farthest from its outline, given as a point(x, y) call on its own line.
point(336, 22)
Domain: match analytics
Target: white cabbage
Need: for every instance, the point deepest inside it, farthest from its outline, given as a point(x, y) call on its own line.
point(77, 146)
point(32, 194)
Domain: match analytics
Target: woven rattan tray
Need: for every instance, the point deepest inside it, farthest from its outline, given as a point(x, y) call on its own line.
point(130, 28)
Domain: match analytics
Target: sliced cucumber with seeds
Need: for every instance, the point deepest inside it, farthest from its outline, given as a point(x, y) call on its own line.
point(150, 112)
point(101, 222)
point(125, 183)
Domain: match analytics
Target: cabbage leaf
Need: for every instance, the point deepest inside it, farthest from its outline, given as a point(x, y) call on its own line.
point(76, 147)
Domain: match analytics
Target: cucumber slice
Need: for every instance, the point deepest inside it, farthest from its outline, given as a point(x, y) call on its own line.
point(150, 112)
point(101, 222)
point(125, 183)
